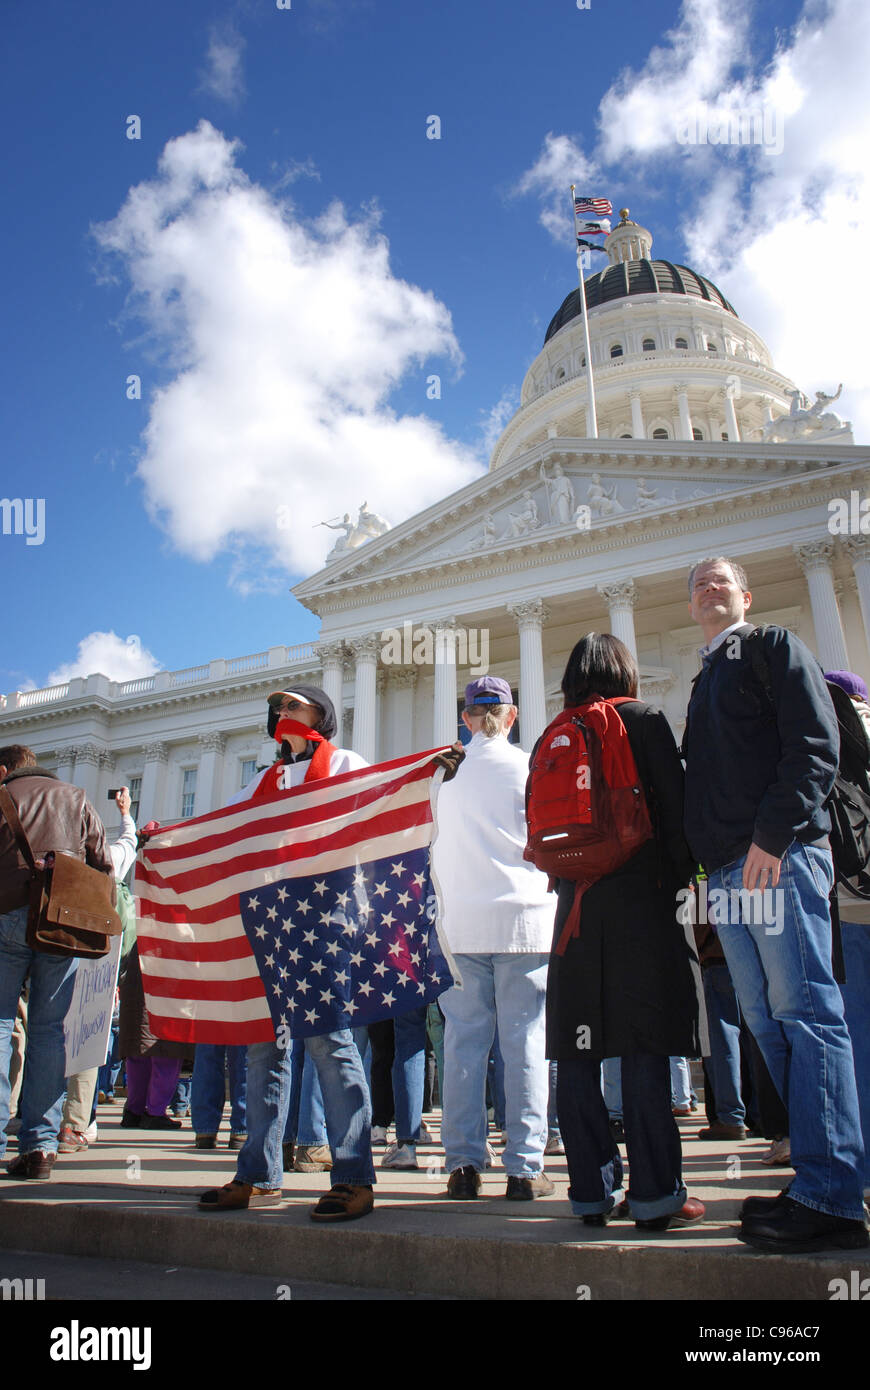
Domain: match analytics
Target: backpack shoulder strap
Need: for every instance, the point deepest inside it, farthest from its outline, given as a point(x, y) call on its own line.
point(10, 811)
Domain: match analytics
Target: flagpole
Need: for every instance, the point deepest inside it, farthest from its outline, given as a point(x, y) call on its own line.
point(591, 417)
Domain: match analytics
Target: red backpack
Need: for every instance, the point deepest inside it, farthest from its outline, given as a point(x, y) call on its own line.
point(585, 806)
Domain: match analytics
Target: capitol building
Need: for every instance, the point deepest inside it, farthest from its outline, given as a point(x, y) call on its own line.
point(702, 448)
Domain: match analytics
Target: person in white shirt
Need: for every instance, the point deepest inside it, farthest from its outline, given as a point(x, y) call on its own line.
point(498, 920)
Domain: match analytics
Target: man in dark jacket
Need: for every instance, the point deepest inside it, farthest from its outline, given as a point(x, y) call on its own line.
point(54, 816)
point(761, 749)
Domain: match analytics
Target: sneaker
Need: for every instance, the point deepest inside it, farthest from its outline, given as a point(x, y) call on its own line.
point(288, 1154)
point(426, 1137)
point(794, 1229)
point(71, 1140)
point(130, 1120)
point(463, 1184)
point(343, 1202)
point(105, 1098)
point(91, 1132)
point(239, 1196)
point(690, 1212)
point(237, 1141)
point(379, 1136)
point(312, 1158)
point(526, 1189)
point(554, 1145)
point(401, 1156)
point(33, 1167)
point(779, 1153)
point(490, 1156)
point(205, 1141)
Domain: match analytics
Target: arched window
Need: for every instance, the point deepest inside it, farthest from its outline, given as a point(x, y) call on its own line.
point(711, 347)
point(696, 433)
point(682, 344)
point(660, 434)
point(616, 350)
point(583, 363)
point(724, 436)
point(649, 345)
point(626, 436)
point(560, 375)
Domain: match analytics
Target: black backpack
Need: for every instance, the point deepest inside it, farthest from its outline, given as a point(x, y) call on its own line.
point(849, 801)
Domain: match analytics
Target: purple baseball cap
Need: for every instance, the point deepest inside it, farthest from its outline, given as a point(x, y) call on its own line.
point(488, 690)
point(848, 681)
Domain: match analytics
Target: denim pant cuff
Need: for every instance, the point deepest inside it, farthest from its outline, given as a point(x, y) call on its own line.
point(852, 1214)
point(662, 1206)
point(353, 1177)
point(597, 1208)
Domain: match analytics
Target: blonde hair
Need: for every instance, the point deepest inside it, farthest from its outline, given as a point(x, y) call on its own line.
point(494, 717)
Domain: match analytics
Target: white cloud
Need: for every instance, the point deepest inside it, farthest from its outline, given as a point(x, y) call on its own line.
point(780, 232)
point(119, 658)
point(286, 338)
point(223, 77)
point(560, 163)
point(493, 421)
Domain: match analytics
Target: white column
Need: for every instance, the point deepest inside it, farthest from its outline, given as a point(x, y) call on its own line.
point(731, 419)
point(88, 771)
point(682, 394)
point(210, 773)
point(620, 599)
point(637, 425)
point(444, 714)
point(365, 653)
point(153, 782)
point(66, 758)
point(858, 550)
point(403, 684)
point(815, 561)
point(531, 617)
point(331, 656)
point(105, 781)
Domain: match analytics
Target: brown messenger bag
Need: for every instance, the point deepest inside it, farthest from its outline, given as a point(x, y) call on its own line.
point(72, 906)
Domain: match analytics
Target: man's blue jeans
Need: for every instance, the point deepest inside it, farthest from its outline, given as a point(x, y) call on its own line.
point(511, 987)
point(208, 1089)
point(51, 989)
point(345, 1100)
point(780, 963)
point(305, 1121)
point(409, 1066)
point(856, 1001)
point(723, 1018)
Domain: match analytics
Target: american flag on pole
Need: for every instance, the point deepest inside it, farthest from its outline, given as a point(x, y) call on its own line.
point(308, 911)
point(593, 207)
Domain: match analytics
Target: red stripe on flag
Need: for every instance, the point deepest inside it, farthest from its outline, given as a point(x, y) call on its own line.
point(186, 1030)
point(227, 991)
point(234, 948)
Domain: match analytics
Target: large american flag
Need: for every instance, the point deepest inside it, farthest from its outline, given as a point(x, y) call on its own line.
point(308, 911)
point(593, 207)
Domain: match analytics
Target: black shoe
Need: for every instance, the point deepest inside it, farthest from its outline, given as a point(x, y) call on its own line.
point(159, 1122)
point(289, 1155)
point(794, 1229)
point(526, 1189)
point(760, 1206)
point(463, 1184)
point(603, 1218)
point(617, 1129)
point(206, 1141)
point(129, 1119)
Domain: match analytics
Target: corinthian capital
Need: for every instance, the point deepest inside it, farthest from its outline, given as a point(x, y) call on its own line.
point(532, 613)
point(365, 648)
point(815, 555)
point(620, 595)
point(156, 752)
point(330, 653)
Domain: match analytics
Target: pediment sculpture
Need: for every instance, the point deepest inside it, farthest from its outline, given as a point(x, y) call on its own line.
point(368, 527)
point(807, 422)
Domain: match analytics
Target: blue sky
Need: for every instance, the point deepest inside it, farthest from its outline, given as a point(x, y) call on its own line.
point(284, 258)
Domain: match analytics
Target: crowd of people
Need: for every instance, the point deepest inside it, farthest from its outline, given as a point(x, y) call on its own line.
point(723, 934)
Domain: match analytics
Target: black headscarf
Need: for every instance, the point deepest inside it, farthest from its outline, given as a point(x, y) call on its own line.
point(325, 725)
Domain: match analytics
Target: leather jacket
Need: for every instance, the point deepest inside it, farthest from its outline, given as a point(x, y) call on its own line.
point(55, 816)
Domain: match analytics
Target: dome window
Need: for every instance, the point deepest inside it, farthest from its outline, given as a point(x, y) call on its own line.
point(582, 363)
point(616, 350)
point(696, 433)
point(649, 345)
point(560, 375)
point(660, 434)
point(682, 345)
point(711, 347)
point(626, 436)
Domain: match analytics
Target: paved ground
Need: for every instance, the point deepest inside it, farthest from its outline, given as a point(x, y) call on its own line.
point(134, 1193)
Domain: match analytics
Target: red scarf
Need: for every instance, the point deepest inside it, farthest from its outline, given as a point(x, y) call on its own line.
point(318, 767)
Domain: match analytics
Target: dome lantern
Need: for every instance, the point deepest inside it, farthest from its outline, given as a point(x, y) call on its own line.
point(628, 241)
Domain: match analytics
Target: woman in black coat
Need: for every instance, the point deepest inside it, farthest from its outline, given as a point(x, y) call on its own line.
point(628, 984)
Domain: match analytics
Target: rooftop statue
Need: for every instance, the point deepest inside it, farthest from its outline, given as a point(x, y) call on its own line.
point(806, 422)
point(368, 527)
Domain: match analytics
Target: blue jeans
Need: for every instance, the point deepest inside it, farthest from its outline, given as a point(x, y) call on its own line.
point(306, 1123)
point(409, 1066)
point(781, 969)
point(651, 1138)
point(51, 989)
point(723, 1017)
point(552, 1107)
point(208, 1087)
point(856, 1001)
point(509, 987)
point(345, 1099)
point(681, 1082)
point(611, 1086)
